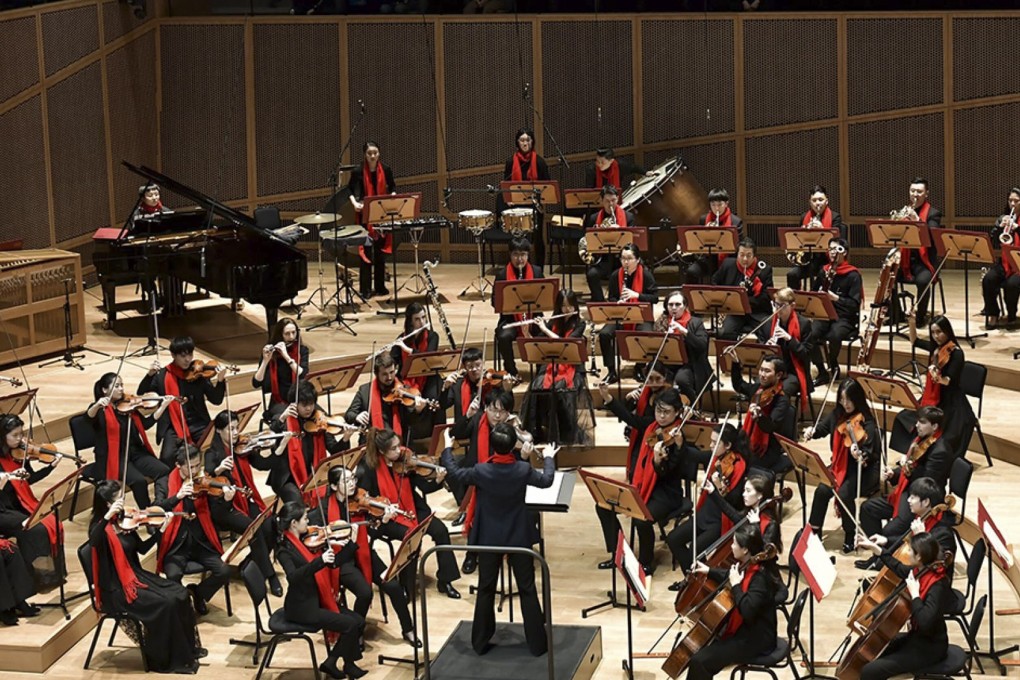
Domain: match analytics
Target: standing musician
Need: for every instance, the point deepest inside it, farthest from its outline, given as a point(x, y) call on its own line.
point(112, 428)
point(751, 628)
point(426, 340)
point(756, 277)
point(677, 317)
point(372, 179)
point(1003, 275)
point(917, 265)
point(609, 216)
point(284, 359)
point(310, 598)
point(632, 282)
point(658, 471)
point(525, 165)
point(843, 282)
point(768, 414)
point(820, 215)
point(608, 170)
point(931, 597)
point(789, 334)
point(170, 640)
point(517, 269)
point(305, 449)
point(462, 387)
point(384, 414)
point(856, 446)
point(378, 477)
point(503, 520)
point(719, 215)
point(182, 421)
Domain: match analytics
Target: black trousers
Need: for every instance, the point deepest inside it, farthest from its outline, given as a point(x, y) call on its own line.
point(735, 325)
point(354, 581)
point(440, 535)
point(597, 273)
point(848, 494)
point(483, 626)
point(875, 510)
point(505, 339)
point(831, 335)
point(15, 580)
point(32, 544)
point(607, 341)
point(192, 551)
point(661, 505)
point(994, 280)
point(142, 468)
point(349, 624)
point(922, 277)
point(906, 653)
point(680, 540)
point(373, 271)
point(719, 654)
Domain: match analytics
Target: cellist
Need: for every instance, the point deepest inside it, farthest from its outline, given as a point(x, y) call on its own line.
point(927, 513)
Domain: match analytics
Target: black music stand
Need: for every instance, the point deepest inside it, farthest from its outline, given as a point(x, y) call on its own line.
point(337, 379)
point(642, 346)
point(427, 364)
point(1000, 553)
point(808, 467)
point(390, 208)
point(49, 506)
point(886, 234)
point(717, 301)
point(407, 554)
point(620, 313)
point(968, 246)
point(620, 498)
point(806, 240)
point(888, 391)
point(812, 304)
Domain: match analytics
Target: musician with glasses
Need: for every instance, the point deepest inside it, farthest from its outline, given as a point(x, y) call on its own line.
point(842, 281)
point(820, 215)
point(610, 215)
point(1003, 275)
point(756, 277)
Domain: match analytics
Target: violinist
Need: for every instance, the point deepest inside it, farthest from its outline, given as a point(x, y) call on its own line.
point(394, 416)
point(931, 597)
point(750, 630)
point(820, 215)
point(609, 216)
point(789, 334)
point(310, 597)
point(926, 512)
point(283, 362)
point(942, 388)
point(377, 476)
point(503, 520)
point(517, 269)
point(723, 487)
point(426, 340)
point(928, 456)
point(305, 450)
point(756, 277)
point(220, 461)
point(461, 388)
point(359, 571)
point(170, 641)
point(768, 414)
point(558, 406)
point(719, 215)
point(15, 585)
point(856, 446)
point(842, 281)
point(182, 421)
point(917, 265)
point(1003, 274)
point(633, 282)
point(658, 471)
point(113, 428)
point(677, 318)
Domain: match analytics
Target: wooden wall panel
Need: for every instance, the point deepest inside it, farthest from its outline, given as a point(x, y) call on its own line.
point(893, 63)
point(782, 169)
point(68, 35)
point(23, 207)
point(985, 59)
point(983, 140)
point(19, 56)
point(118, 18)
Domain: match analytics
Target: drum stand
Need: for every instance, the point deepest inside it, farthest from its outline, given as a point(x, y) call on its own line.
point(341, 285)
point(321, 290)
point(479, 283)
point(415, 283)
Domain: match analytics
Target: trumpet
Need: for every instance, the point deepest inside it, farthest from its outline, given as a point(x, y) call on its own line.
point(403, 338)
point(1008, 224)
point(528, 322)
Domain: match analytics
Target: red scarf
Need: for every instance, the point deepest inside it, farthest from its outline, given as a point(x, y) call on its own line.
point(933, 388)
point(904, 481)
point(129, 582)
point(242, 476)
point(171, 386)
point(645, 476)
point(610, 176)
point(1007, 261)
point(564, 372)
point(793, 328)
point(736, 620)
point(908, 274)
point(752, 273)
point(397, 489)
point(28, 501)
point(637, 285)
point(639, 410)
point(725, 218)
point(322, 581)
point(759, 438)
point(364, 552)
point(113, 452)
point(467, 393)
point(374, 184)
point(277, 397)
point(204, 519)
point(151, 209)
point(618, 214)
point(842, 268)
point(296, 454)
point(739, 467)
point(420, 343)
point(377, 410)
point(826, 218)
point(6, 545)
point(516, 175)
point(511, 275)
point(840, 458)
point(484, 452)
point(926, 581)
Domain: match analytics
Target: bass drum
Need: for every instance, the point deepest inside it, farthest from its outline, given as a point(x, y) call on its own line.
point(672, 193)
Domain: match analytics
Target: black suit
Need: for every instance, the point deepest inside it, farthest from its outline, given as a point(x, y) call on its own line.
point(800, 273)
point(995, 279)
point(693, 375)
point(373, 251)
point(196, 413)
point(729, 274)
point(603, 265)
point(920, 274)
point(781, 419)
point(649, 293)
point(389, 411)
point(705, 266)
point(849, 287)
point(934, 463)
point(501, 519)
point(798, 351)
point(505, 337)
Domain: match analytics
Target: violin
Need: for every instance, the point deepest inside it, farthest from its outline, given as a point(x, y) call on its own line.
point(410, 464)
point(206, 369)
point(917, 451)
point(497, 378)
point(145, 404)
point(765, 396)
point(155, 516)
point(13, 382)
point(853, 433)
point(668, 435)
point(375, 506)
point(320, 423)
point(725, 466)
point(249, 443)
point(44, 453)
point(215, 486)
point(406, 396)
point(338, 531)
point(941, 356)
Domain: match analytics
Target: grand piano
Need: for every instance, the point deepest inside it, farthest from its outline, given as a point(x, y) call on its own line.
point(211, 246)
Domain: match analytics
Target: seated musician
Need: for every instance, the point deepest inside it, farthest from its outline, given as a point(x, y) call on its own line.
point(759, 488)
point(558, 406)
point(372, 179)
point(526, 165)
point(15, 585)
point(517, 269)
point(284, 360)
point(927, 511)
point(18, 502)
point(220, 461)
point(608, 170)
point(789, 334)
point(358, 571)
point(369, 407)
point(149, 203)
point(633, 282)
point(750, 630)
point(657, 470)
point(756, 277)
point(426, 340)
point(856, 446)
point(693, 375)
point(768, 414)
point(610, 215)
point(305, 449)
point(182, 421)
point(407, 491)
point(724, 483)
point(931, 598)
point(928, 456)
point(843, 283)
point(1003, 275)
point(719, 215)
point(462, 387)
point(917, 265)
point(113, 430)
point(820, 215)
point(309, 598)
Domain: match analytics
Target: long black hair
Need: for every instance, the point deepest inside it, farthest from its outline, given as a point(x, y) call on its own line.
point(105, 494)
point(946, 326)
point(8, 423)
point(852, 389)
point(748, 537)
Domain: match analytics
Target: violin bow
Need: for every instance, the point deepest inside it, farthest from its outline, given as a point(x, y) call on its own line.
point(662, 346)
point(708, 473)
point(821, 409)
point(753, 332)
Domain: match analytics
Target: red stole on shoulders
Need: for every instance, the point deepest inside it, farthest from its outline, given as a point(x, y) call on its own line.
point(519, 159)
point(174, 525)
point(396, 489)
point(825, 218)
point(364, 551)
point(376, 412)
point(610, 175)
point(645, 477)
point(28, 501)
point(908, 275)
point(419, 343)
point(619, 216)
point(171, 386)
point(275, 396)
point(564, 372)
point(736, 620)
point(793, 328)
point(129, 582)
point(322, 583)
point(511, 275)
point(484, 451)
point(637, 285)
point(932, 393)
point(374, 184)
point(111, 424)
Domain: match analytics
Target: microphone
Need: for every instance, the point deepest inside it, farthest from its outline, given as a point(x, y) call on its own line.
point(201, 263)
point(361, 105)
point(491, 189)
point(527, 89)
point(600, 115)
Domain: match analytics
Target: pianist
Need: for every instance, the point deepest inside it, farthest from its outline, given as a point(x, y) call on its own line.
point(150, 203)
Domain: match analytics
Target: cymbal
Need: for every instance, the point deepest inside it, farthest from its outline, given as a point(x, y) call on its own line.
point(343, 233)
point(318, 218)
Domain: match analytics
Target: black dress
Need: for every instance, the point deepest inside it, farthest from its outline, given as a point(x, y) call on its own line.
point(143, 464)
point(15, 581)
point(34, 543)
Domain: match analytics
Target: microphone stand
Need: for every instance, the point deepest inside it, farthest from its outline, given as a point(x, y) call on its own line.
point(563, 164)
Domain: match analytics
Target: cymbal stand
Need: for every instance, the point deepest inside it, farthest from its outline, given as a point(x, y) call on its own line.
point(341, 284)
point(321, 290)
point(415, 283)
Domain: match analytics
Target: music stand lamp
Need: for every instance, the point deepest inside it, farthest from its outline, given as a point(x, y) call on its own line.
point(966, 246)
point(807, 467)
point(390, 208)
point(337, 379)
point(619, 498)
point(620, 313)
point(49, 506)
point(886, 234)
point(804, 240)
point(888, 391)
point(407, 554)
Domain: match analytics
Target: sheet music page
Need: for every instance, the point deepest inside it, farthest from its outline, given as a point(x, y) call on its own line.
point(551, 496)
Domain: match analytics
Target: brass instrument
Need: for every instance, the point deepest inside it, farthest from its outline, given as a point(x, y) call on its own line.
point(433, 296)
point(1008, 224)
point(528, 322)
point(608, 221)
point(715, 220)
point(906, 213)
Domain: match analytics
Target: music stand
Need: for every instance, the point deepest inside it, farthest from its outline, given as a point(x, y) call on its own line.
point(609, 241)
point(235, 554)
point(320, 476)
point(886, 234)
point(642, 347)
point(15, 404)
point(437, 443)
point(698, 433)
point(380, 209)
point(427, 364)
point(888, 391)
point(803, 239)
point(807, 466)
point(337, 379)
point(577, 200)
point(49, 506)
point(407, 554)
point(707, 241)
point(582, 199)
point(812, 304)
point(718, 300)
point(620, 313)
point(619, 498)
point(968, 246)
point(525, 296)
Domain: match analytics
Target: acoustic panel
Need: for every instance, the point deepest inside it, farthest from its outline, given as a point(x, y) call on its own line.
point(78, 153)
point(886, 155)
point(789, 71)
point(587, 93)
point(893, 63)
point(714, 165)
point(782, 169)
point(131, 80)
point(983, 140)
point(23, 203)
point(767, 236)
point(297, 108)
point(69, 35)
point(119, 18)
point(202, 132)
point(686, 78)
point(397, 86)
point(985, 58)
point(19, 58)
point(485, 68)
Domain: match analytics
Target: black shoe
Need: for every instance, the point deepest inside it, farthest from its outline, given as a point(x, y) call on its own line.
point(8, 617)
point(275, 587)
point(648, 570)
point(410, 638)
point(26, 609)
point(612, 378)
point(822, 380)
point(382, 292)
point(459, 519)
point(470, 564)
point(848, 548)
point(676, 586)
point(867, 565)
point(200, 606)
point(201, 652)
point(608, 564)
point(330, 669)
point(448, 590)
point(353, 670)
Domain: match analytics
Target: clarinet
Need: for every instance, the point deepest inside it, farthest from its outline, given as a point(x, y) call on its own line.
point(434, 299)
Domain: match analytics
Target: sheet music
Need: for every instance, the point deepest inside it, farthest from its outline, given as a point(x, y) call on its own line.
point(551, 496)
